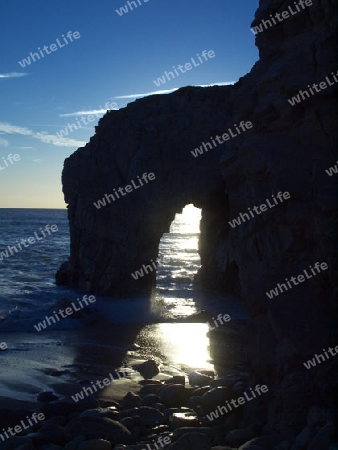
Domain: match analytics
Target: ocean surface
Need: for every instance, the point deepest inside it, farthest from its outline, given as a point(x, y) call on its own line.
point(121, 330)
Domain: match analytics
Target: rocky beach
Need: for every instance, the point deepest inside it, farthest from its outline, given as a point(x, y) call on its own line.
point(146, 409)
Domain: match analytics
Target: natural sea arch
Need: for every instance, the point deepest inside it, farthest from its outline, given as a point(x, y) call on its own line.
point(110, 242)
point(287, 149)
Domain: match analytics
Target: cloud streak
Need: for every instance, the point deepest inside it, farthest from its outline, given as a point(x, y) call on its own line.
point(109, 106)
point(42, 136)
point(169, 91)
point(222, 83)
point(13, 75)
point(164, 91)
point(85, 113)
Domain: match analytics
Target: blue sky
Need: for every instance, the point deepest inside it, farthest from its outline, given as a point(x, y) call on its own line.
point(114, 56)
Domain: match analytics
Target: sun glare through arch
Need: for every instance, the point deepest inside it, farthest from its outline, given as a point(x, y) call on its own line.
point(178, 263)
point(178, 259)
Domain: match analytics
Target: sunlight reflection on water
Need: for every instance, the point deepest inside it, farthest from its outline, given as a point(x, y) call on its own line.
point(179, 261)
point(183, 344)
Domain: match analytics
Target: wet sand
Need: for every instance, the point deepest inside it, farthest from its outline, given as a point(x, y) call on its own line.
point(66, 361)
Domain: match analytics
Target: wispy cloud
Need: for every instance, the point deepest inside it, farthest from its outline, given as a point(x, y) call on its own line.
point(85, 113)
point(43, 136)
point(169, 91)
point(164, 91)
point(13, 75)
point(222, 83)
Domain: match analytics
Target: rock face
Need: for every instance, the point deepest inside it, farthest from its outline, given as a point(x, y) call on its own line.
point(288, 149)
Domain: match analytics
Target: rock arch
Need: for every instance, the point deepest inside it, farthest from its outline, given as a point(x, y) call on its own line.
point(288, 149)
point(110, 242)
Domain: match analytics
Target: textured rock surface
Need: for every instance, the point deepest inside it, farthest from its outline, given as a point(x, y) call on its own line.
point(288, 149)
point(152, 135)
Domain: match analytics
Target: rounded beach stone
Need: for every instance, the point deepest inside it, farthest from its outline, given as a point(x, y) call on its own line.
point(199, 379)
point(99, 428)
point(147, 369)
point(150, 400)
point(173, 395)
point(130, 400)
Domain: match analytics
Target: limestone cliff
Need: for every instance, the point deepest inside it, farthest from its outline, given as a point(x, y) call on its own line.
point(288, 149)
point(152, 135)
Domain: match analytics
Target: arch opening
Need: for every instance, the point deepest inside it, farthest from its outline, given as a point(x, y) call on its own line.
point(197, 342)
point(179, 261)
